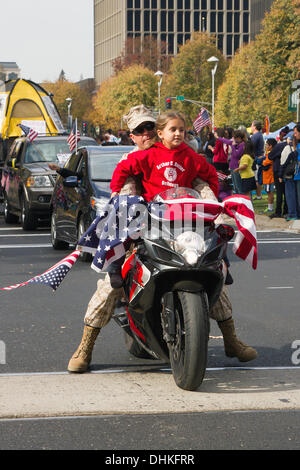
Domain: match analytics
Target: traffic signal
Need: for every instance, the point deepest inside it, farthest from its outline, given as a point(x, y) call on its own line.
point(84, 127)
point(168, 103)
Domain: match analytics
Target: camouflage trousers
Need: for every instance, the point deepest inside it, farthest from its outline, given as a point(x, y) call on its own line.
point(102, 303)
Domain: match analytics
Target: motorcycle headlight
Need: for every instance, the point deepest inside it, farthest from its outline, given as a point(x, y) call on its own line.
point(190, 245)
point(38, 182)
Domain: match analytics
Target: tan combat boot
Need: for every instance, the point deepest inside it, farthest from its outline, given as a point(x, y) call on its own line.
point(233, 346)
point(81, 358)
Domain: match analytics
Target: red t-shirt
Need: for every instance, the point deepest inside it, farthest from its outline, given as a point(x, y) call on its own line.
point(162, 169)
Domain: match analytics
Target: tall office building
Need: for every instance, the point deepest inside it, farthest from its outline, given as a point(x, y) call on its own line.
point(171, 21)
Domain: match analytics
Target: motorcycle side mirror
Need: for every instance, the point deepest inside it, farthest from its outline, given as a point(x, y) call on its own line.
point(71, 182)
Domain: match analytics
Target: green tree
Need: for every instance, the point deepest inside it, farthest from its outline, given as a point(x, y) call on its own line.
point(190, 73)
point(259, 78)
point(132, 86)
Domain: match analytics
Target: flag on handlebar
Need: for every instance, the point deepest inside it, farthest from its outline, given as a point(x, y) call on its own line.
point(122, 219)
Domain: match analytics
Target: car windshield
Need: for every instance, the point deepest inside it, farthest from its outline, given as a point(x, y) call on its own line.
point(102, 166)
point(56, 151)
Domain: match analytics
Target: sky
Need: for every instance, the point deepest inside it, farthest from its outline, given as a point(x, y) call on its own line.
point(44, 37)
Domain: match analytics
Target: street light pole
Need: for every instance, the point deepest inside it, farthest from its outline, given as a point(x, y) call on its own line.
point(215, 60)
point(69, 100)
point(159, 74)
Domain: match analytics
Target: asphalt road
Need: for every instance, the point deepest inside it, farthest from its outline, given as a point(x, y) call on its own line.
point(39, 331)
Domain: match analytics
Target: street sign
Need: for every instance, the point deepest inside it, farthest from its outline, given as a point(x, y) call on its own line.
point(179, 98)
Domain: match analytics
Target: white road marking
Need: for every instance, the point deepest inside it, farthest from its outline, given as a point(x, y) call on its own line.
point(280, 287)
point(151, 369)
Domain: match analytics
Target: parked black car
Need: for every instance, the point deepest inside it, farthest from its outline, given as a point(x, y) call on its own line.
point(78, 197)
point(27, 182)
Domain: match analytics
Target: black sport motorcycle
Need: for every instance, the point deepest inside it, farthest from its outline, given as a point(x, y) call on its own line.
point(171, 280)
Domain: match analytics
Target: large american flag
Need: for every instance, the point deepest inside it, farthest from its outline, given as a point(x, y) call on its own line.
point(74, 137)
point(54, 276)
point(202, 120)
point(30, 133)
point(108, 236)
point(119, 222)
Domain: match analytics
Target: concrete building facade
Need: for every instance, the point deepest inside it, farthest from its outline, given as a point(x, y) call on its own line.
point(233, 22)
point(9, 71)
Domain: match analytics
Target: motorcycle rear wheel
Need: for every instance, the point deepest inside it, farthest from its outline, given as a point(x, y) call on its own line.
point(188, 353)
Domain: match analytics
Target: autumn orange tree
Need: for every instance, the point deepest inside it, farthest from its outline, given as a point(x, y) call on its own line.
point(260, 75)
point(116, 95)
point(81, 99)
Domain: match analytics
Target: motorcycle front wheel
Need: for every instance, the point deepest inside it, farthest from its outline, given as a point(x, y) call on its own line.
point(188, 352)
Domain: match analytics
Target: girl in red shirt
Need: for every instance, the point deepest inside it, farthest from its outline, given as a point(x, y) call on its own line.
point(167, 164)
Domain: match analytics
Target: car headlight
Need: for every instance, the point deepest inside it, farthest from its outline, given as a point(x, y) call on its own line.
point(38, 182)
point(190, 245)
point(98, 204)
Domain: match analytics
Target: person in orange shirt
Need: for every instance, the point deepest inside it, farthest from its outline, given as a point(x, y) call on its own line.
point(268, 175)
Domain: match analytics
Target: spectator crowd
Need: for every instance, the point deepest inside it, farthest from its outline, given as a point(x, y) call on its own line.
point(254, 162)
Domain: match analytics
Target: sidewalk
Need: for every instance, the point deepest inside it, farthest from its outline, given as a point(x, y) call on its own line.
point(263, 222)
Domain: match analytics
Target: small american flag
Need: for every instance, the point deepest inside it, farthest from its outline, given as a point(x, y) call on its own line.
point(30, 133)
point(74, 137)
point(54, 276)
point(202, 120)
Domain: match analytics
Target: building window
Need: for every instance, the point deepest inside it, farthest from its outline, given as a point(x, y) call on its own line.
point(246, 4)
point(154, 21)
point(170, 21)
point(197, 21)
point(220, 5)
point(163, 21)
point(163, 4)
point(220, 22)
point(236, 42)
point(196, 4)
point(236, 22)
point(146, 3)
point(246, 38)
point(187, 4)
point(229, 22)
point(187, 22)
point(212, 4)
point(220, 42)
point(146, 21)
point(229, 4)
point(154, 4)
point(180, 39)
point(171, 4)
point(129, 3)
point(213, 22)
point(180, 4)
point(229, 44)
point(137, 19)
point(246, 22)
point(137, 3)
point(203, 4)
point(130, 20)
point(180, 21)
point(171, 44)
point(236, 4)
